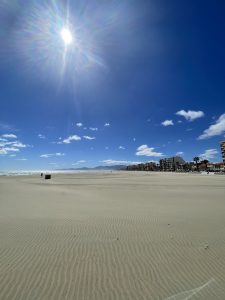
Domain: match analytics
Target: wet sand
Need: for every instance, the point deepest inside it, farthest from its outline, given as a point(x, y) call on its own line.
point(119, 235)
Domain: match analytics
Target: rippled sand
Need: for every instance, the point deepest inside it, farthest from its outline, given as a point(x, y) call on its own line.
point(112, 236)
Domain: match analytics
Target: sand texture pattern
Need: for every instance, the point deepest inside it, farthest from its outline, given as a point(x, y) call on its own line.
point(119, 235)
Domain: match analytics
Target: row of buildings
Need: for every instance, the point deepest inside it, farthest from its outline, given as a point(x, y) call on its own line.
point(178, 164)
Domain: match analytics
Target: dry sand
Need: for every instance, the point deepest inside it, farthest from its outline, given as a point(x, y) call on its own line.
point(112, 236)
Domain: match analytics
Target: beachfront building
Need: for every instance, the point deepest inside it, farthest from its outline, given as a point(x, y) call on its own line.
point(174, 163)
point(149, 166)
point(222, 145)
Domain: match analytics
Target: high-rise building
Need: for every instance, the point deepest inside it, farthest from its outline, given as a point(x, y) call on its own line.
point(222, 145)
point(171, 164)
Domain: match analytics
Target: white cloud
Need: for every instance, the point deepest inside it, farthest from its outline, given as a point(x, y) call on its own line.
point(144, 150)
point(179, 153)
point(22, 159)
point(216, 129)
point(52, 155)
point(119, 162)
point(86, 137)
point(179, 141)
point(79, 124)
point(70, 139)
point(10, 146)
point(93, 128)
point(41, 136)
point(134, 139)
point(190, 115)
point(167, 123)
point(9, 136)
point(11, 149)
point(122, 148)
point(12, 155)
point(82, 161)
point(209, 154)
point(3, 140)
point(19, 145)
point(107, 124)
point(3, 151)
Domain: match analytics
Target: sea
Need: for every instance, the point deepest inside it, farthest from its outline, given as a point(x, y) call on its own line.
point(36, 172)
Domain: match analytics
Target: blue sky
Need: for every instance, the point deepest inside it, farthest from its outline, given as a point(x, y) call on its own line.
point(138, 81)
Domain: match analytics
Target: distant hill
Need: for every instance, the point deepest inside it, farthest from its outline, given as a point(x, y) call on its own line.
point(114, 167)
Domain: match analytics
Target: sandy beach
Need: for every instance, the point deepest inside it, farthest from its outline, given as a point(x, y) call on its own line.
point(119, 235)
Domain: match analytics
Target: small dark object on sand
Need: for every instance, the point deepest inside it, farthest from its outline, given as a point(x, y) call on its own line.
point(206, 247)
point(48, 176)
point(168, 224)
point(117, 239)
point(41, 174)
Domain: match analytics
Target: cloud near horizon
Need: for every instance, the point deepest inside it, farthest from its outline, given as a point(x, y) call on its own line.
point(190, 115)
point(216, 129)
point(119, 162)
point(144, 150)
point(179, 153)
point(58, 154)
point(167, 123)
point(209, 154)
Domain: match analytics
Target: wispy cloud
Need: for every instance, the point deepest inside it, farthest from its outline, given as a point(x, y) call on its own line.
point(4, 126)
point(216, 129)
point(144, 150)
point(119, 162)
point(167, 123)
point(3, 151)
point(82, 161)
point(107, 124)
point(9, 136)
point(11, 149)
point(70, 139)
point(22, 159)
point(93, 128)
point(209, 154)
point(179, 153)
point(10, 144)
point(122, 148)
point(179, 141)
point(41, 136)
point(20, 145)
point(79, 124)
point(190, 115)
point(58, 154)
point(86, 137)
point(3, 140)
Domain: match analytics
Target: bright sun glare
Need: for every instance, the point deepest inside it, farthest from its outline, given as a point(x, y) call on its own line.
point(66, 36)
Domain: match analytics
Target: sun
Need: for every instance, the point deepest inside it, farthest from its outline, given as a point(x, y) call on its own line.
point(66, 36)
